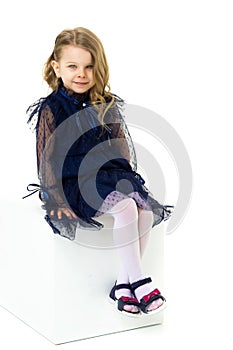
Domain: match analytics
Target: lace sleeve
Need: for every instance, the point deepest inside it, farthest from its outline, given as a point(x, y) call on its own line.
point(121, 134)
point(52, 194)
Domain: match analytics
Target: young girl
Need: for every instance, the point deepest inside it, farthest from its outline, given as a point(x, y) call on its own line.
point(87, 164)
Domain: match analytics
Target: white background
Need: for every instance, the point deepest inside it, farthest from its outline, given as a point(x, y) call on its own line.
point(174, 57)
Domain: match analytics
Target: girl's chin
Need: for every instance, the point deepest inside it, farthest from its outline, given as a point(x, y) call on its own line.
point(80, 89)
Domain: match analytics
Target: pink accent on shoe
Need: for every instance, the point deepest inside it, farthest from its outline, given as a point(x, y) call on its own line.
point(147, 297)
point(126, 299)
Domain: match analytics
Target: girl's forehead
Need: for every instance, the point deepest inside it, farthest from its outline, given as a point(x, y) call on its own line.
point(75, 54)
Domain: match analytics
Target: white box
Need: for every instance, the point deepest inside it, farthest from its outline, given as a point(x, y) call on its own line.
point(59, 287)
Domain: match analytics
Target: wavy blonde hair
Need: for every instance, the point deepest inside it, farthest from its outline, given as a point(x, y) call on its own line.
point(87, 40)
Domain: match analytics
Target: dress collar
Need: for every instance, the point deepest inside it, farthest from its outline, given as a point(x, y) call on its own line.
point(80, 98)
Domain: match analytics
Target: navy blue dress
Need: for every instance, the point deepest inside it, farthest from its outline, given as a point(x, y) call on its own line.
point(84, 166)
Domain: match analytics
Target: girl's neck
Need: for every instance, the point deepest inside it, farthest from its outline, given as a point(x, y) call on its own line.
point(79, 97)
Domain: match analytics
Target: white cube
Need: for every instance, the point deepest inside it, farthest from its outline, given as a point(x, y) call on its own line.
point(59, 287)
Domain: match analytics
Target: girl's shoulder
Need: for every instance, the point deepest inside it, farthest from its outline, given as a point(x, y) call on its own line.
point(115, 98)
point(35, 110)
point(116, 103)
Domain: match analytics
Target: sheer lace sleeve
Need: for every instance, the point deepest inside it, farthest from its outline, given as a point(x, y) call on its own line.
point(52, 194)
point(121, 134)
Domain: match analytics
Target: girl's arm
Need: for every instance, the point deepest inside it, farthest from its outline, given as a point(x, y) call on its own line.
point(53, 196)
point(120, 132)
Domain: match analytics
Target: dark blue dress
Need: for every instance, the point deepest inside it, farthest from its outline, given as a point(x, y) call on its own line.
point(84, 166)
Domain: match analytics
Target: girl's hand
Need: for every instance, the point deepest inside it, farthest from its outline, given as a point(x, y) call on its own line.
point(64, 211)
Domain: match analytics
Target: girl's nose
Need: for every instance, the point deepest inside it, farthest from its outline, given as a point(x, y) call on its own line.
point(81, 72)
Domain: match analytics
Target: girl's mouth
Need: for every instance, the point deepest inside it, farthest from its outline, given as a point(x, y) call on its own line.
point(80, 83)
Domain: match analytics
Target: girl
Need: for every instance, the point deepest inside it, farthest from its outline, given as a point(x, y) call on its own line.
point(87, 165)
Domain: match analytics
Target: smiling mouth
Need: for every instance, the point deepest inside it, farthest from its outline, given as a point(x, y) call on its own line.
point(80, 83)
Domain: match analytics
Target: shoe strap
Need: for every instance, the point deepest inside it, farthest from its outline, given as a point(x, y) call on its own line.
point(140, 283)
point(116, 287)
point(122, 286)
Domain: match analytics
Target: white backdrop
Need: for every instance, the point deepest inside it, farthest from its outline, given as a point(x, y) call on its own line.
point(174, 57)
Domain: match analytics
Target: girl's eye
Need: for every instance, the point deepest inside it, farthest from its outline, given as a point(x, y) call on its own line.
point(72, 66)
point(90, 66)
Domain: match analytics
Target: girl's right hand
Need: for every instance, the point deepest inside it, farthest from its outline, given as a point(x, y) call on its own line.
point(63, 211)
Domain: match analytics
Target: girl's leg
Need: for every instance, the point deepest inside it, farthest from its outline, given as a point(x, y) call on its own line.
point(126, 238)
point(145, 221)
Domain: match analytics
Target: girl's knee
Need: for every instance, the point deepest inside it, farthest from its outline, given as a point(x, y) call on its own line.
point(146, 216)
point(146, 213)
point(131, 206)
point(126, 207)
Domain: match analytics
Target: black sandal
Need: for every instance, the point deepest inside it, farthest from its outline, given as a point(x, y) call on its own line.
point(122, 301)
point(149, 298)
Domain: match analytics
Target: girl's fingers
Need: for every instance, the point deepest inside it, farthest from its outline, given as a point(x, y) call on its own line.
point(74, 215)
point(70, 214)
point(67, 213)
point(59, 214)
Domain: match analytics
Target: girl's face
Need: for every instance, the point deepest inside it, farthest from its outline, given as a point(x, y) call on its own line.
point(75, 68)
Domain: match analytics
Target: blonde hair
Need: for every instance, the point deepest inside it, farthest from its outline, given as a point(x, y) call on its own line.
point(87, 40)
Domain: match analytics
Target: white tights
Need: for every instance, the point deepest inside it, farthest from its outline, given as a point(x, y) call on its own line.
point(131, 233)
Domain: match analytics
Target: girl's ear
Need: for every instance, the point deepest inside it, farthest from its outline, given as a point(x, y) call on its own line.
point(56, 68)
